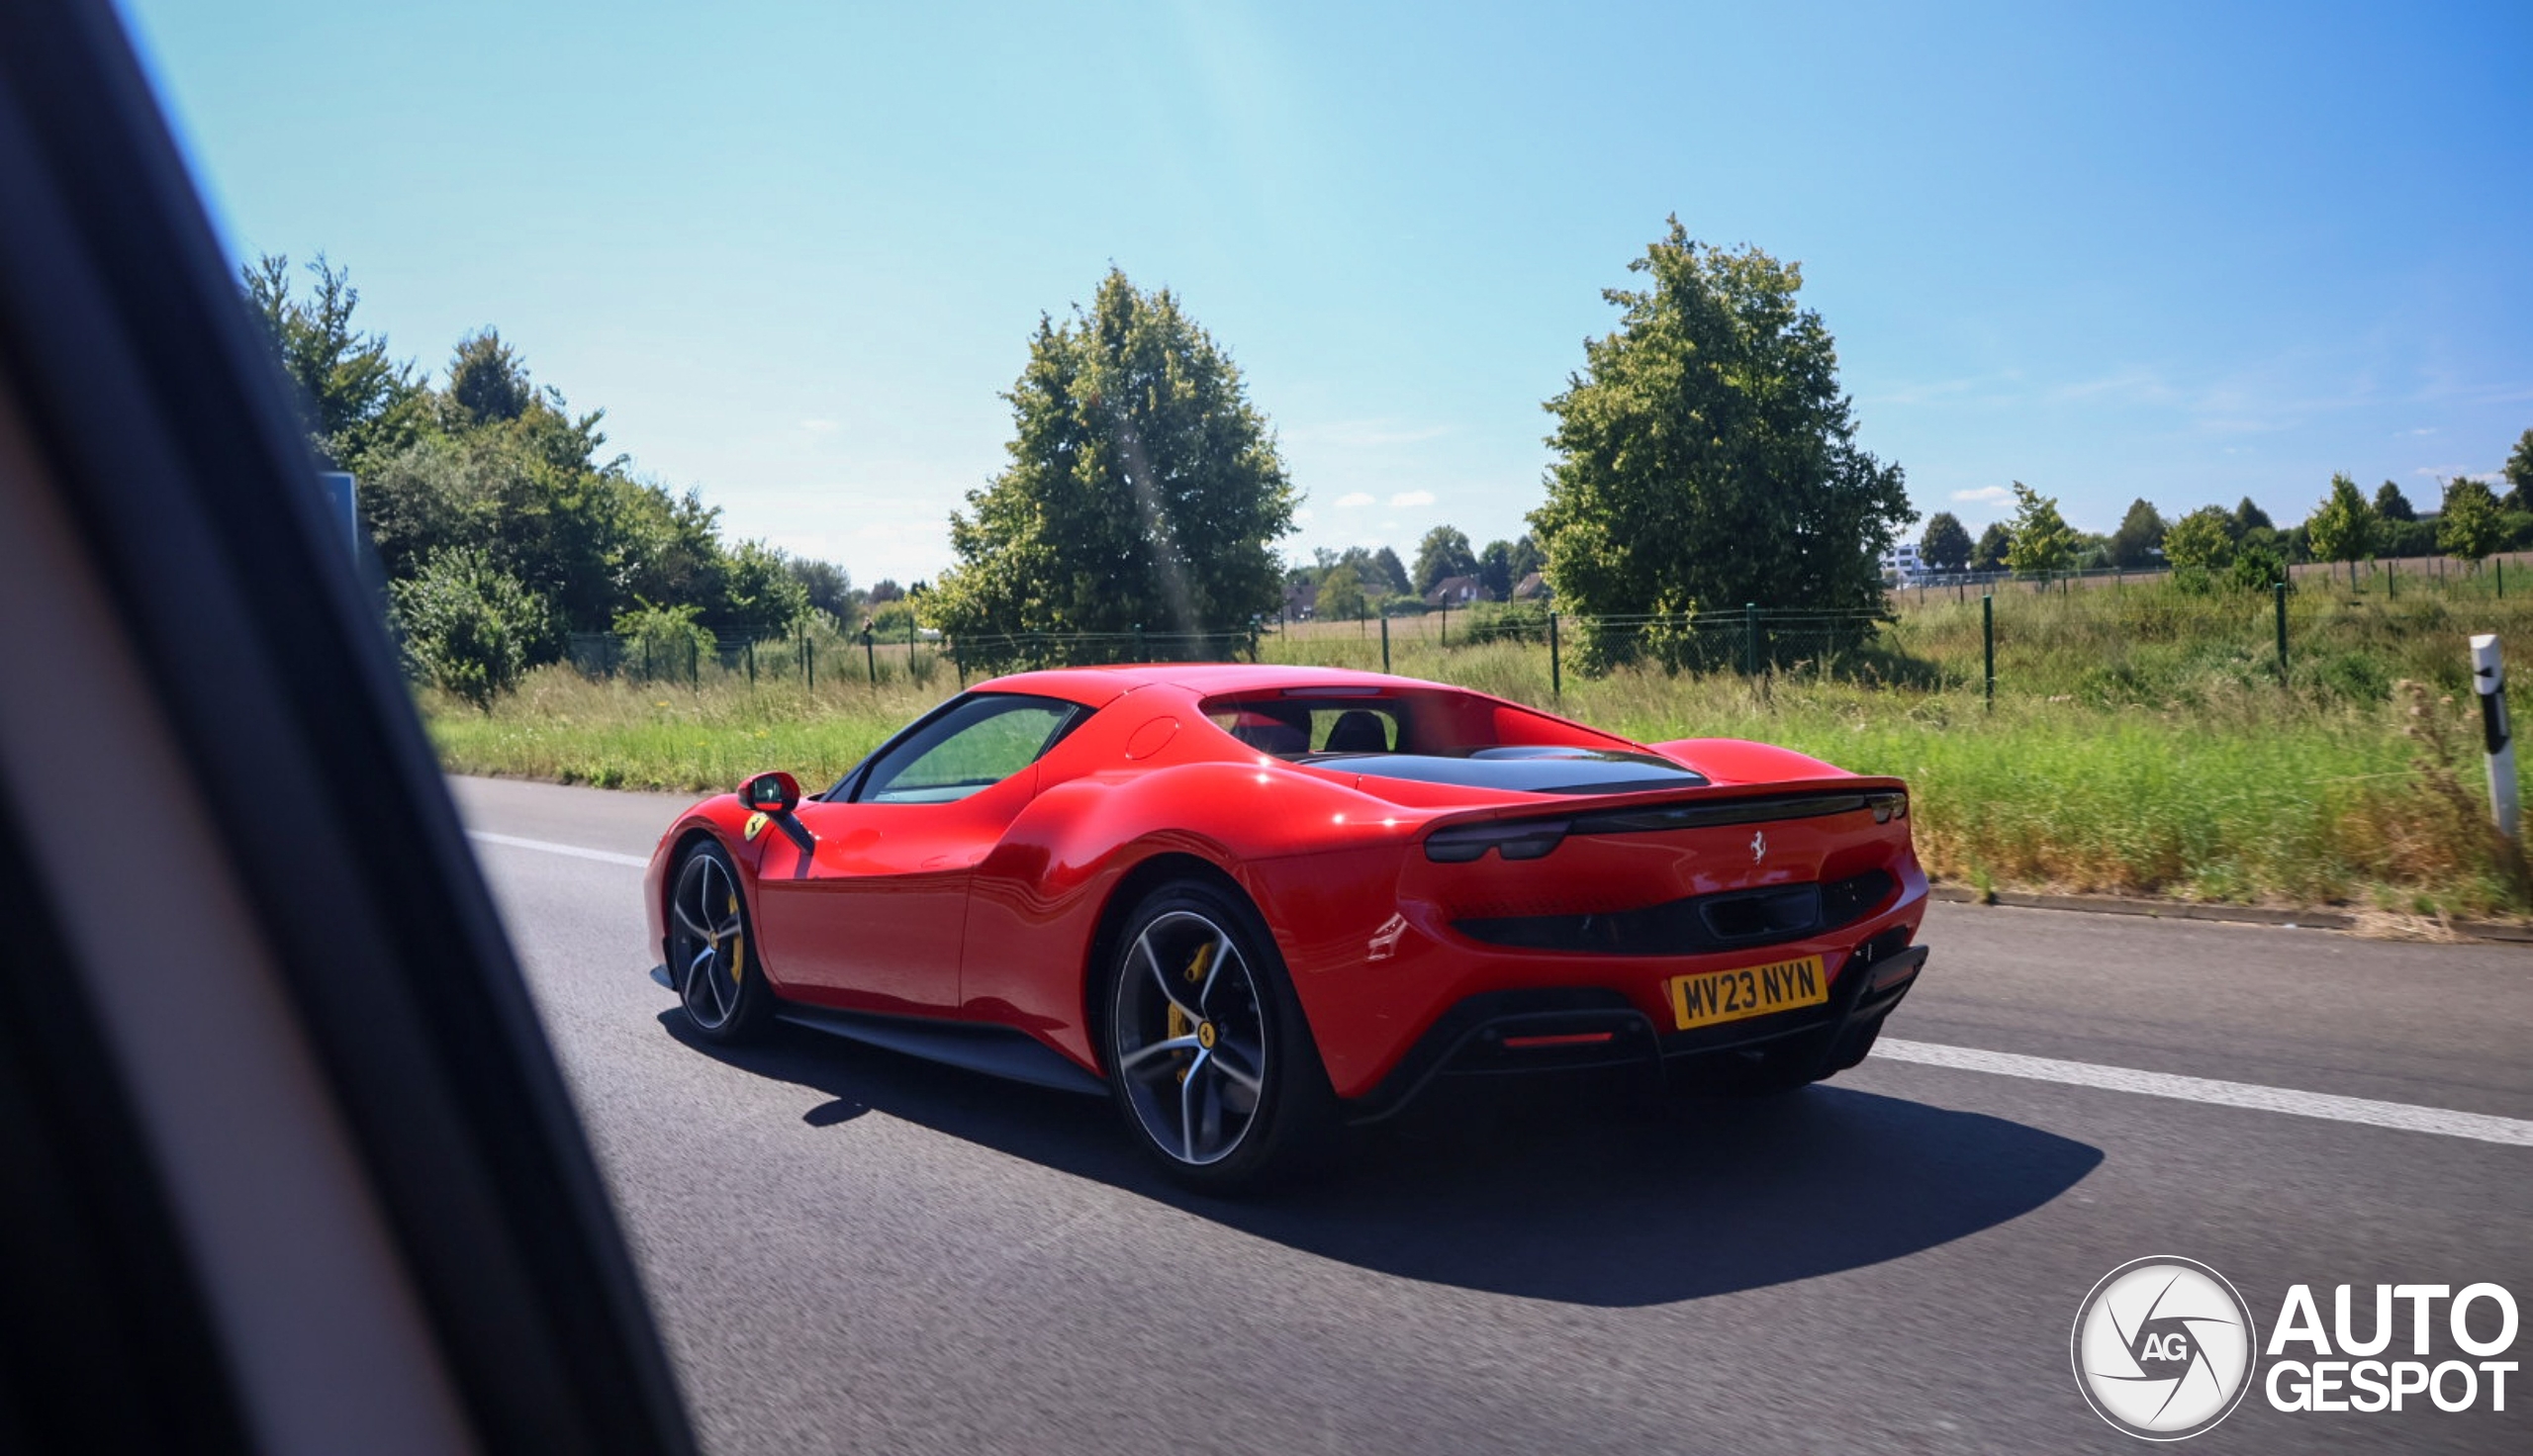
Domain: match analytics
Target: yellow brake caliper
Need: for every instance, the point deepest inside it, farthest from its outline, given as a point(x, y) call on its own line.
point(738, 943)
point(1179, 1026)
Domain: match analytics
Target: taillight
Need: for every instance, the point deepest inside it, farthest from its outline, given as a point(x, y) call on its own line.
point(1888, 806)
point(1528, 839)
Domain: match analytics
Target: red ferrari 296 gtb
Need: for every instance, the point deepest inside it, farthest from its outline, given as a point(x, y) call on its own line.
point(1248, 901)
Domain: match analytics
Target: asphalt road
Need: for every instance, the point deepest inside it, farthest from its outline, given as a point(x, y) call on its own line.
point(852, 1251)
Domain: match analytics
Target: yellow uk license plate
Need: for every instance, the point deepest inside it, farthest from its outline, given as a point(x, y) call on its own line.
point(1753, 990)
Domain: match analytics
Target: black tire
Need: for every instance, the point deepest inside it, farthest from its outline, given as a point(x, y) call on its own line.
point(712, 951)
point(1207, 1055)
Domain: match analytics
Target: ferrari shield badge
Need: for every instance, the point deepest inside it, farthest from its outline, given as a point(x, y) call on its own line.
point(756, 826)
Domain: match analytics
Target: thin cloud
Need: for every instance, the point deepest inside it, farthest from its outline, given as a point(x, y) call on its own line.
point(1353, 500)
point(2132, 386)
point(1985, 495)
point(1364, 434)
point(1412, 497)
point(818, 427)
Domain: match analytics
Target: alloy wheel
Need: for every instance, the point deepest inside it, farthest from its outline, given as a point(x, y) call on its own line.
point(1189, 1036)
point(709, 941)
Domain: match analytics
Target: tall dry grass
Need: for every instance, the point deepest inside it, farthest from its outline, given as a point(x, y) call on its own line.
point(2225, 787)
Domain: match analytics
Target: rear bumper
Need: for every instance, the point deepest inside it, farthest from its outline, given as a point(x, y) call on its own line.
point(1564, 1029)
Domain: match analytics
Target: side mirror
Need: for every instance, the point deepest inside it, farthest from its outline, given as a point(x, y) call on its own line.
point(771, 794)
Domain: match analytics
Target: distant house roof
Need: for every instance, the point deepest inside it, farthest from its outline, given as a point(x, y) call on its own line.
point(1533, 588)
point(1456, 591)
point(1301, 598)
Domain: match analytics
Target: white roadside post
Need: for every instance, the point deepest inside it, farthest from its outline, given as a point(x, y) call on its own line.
point(2488, 674)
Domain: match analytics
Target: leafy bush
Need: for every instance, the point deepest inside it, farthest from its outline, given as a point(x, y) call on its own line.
point(663, 641)
point(468, 626)
point(2257, 568)
point(1514, 621)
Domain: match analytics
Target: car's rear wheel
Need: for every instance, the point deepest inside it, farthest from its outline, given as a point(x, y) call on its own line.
point(712, 955)
point(1206, 1050)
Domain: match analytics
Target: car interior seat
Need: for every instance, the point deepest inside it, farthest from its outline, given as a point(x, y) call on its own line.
point(1357, 732)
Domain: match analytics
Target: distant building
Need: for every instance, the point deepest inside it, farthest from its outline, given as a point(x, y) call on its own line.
point(1901, 566)
point(1301, 600)
point(1456, 591)
point(1533, 588)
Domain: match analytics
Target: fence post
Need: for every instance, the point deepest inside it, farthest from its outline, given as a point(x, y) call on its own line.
point(1142, 654)
point(870, 656)
point(1556, 674)
point(959, 660)
point(2497, 737)
point(1750, 638)
point(1447, 624)
point(1988, 639)
point(2279, 591)
point(809, 662)
point(1384, 652)
point(751, 665)
point(694, 664)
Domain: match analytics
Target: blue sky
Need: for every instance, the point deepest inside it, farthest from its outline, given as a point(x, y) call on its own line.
point(2189, 252)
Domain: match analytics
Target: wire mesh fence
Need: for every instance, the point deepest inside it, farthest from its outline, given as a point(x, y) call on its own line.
point(2141, 640)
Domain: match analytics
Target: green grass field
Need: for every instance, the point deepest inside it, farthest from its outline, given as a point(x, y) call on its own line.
point(2140, 743)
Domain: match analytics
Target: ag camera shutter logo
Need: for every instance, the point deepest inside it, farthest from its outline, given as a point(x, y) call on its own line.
point(2163, 1348)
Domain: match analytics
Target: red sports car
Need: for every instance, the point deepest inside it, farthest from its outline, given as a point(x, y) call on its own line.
point(1246, 901)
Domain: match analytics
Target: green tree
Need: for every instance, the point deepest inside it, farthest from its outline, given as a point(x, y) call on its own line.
point(2247, 519)
point(760, 597)
point(488, 381)
point(2391, 506)
point(1384, 574)
point(2520, 474)
point(1945, 546)
point(2140, 536)
point(1495, 569)
point(1706, 456)
point(2202, 539)
point(1341, 596)
point(2343, 526)
point(1526, 558)
point(828, 587)
point(2044, 545)
point(2471, 525)
point(1143, 487)
point(1993, 543)
point(1443, 553)
point(466, 625)
point(354, 400)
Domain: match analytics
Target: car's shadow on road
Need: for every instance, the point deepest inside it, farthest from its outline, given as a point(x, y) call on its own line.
point(1584, 1203)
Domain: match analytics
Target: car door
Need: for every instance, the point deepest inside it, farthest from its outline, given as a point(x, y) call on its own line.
point(862, 896)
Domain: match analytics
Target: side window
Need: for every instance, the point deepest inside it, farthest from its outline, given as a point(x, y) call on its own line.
point(977, 744)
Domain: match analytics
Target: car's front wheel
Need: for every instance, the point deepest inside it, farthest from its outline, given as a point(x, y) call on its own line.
point(712, 956)
point(1206, 1050)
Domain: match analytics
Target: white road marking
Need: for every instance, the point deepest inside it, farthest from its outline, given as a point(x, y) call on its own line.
point(604, 857)
point(2400, 1115)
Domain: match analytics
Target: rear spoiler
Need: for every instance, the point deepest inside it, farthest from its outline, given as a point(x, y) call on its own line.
point(1530, 830)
